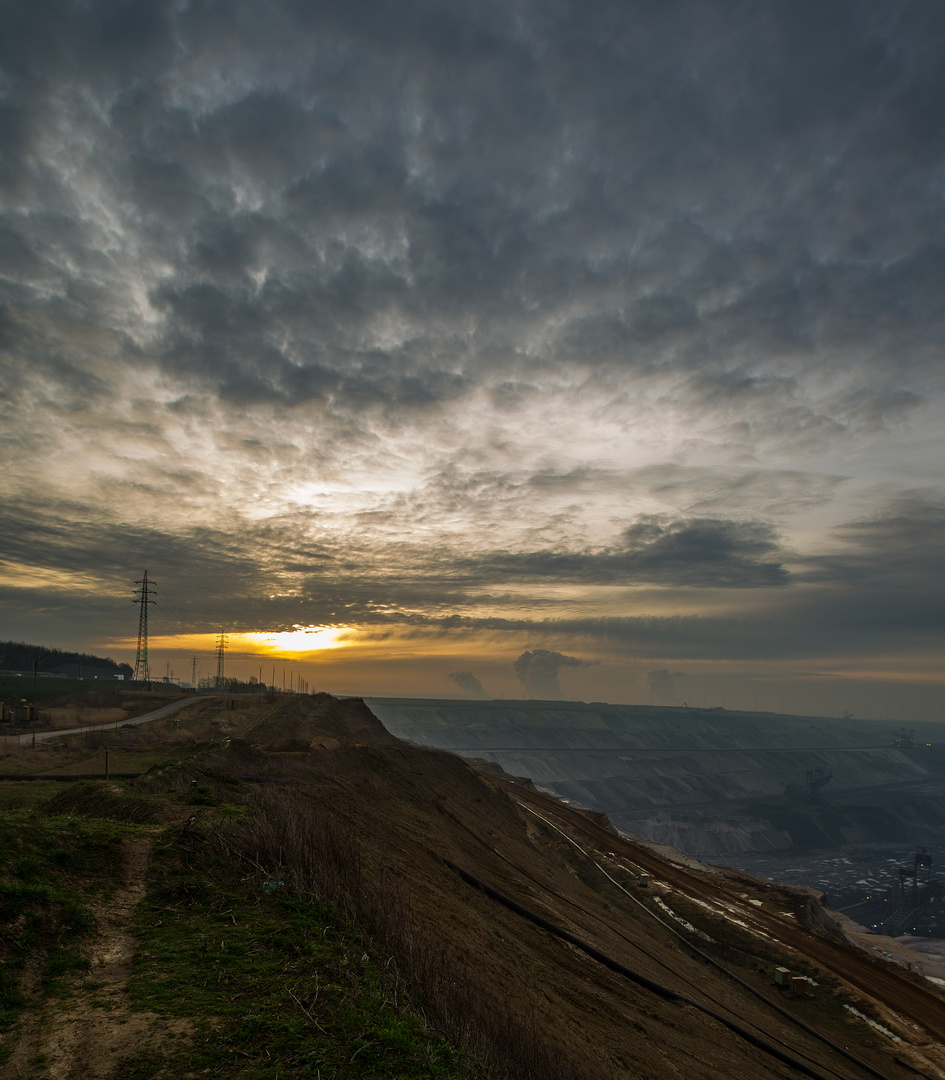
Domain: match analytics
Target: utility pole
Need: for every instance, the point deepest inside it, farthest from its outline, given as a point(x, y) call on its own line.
point(36, 663)
point(221, 648)
point(142, 670)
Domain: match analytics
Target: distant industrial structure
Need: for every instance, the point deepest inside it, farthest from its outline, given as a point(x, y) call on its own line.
point(915, 904)
point(816, 781)
point(21, 712)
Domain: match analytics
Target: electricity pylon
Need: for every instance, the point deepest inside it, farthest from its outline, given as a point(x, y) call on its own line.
point(142, 669)
point(193, 672)
point(221, 648)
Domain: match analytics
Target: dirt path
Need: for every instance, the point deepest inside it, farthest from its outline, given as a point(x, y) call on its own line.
point(85, 1035)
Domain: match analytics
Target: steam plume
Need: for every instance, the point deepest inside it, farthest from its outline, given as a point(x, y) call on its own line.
point(468, 683)
point(537, 671)
point(662, 684)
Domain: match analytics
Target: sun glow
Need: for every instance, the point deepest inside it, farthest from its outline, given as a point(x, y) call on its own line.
point(297, 641)
point(300, 639)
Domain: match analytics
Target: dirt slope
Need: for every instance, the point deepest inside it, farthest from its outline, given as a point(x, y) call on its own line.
point(411, 808)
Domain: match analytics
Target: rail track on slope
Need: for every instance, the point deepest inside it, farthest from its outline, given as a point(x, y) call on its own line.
point(802, 1055)
point(871, 978)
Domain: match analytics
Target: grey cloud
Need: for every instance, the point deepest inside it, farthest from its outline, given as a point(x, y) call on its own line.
point(537, 670)
point(898, 548)
point(468, 683)
point(883, 597)
point(165, 191)
point(117, 39)
point(656, 317)
point(647, 91)
point(16, 255)
point(655, 550)
point(14, 145)
point(212, 574)
point(699, 489)
point(265, 133)
point(659, 550)
point(724, 552)
point(512, 396)
point(882, 594)
point(692, 490)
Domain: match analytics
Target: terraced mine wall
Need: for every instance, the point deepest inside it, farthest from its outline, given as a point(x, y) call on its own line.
point(707, 782)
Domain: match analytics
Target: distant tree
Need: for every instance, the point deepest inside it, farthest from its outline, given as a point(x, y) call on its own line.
point(19, 656)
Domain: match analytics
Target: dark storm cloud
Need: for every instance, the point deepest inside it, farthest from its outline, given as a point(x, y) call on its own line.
point(881, 594)
point(204, 576)
point(657, 550)
point(899, 549)
point(503, 161)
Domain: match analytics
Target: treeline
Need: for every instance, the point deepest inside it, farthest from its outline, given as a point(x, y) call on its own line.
point(20, 656)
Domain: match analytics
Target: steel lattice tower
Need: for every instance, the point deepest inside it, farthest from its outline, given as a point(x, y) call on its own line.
point(142, 669)
point(221, 648)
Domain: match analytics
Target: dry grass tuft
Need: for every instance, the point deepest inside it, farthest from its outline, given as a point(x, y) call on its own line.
point(81, 715)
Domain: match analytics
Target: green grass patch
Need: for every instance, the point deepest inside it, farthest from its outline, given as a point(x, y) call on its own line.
point(49, 868)
point(35, 846)
point(26, 794)
point(104, 799)
point(275, 985)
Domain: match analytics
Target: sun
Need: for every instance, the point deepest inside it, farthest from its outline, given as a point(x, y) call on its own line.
point(300, 639)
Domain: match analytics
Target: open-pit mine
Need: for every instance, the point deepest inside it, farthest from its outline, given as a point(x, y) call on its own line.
point(854, 808)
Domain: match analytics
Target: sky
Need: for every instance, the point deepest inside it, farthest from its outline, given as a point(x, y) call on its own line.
point(507, 349)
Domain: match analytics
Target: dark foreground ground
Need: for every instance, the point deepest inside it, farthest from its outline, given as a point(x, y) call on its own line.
point(302, 896)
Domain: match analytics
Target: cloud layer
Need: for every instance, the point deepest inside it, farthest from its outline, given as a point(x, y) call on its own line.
point(506, 319)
